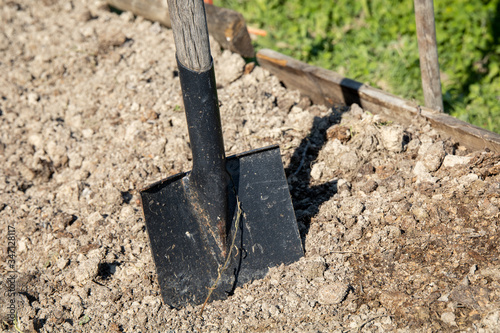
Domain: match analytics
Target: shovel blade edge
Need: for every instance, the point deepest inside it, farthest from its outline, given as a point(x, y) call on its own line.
point(264, 230)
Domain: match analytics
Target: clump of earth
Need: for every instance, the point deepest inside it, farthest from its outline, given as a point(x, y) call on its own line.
point(400, 225)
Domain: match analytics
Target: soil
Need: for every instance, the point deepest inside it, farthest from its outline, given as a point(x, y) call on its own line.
point(400, 225)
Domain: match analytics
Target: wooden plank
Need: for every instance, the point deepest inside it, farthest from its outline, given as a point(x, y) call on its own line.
point(330, 88)
point(154, 10)
point(427, 47)
point(226, 26)
point(229, 29)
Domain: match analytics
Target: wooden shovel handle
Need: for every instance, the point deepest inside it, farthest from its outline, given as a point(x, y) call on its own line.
point(189, 25)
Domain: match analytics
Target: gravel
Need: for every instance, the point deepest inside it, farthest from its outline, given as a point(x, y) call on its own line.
point(399, 225)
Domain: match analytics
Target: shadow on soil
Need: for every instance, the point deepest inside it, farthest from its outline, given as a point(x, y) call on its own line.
point(306, 198)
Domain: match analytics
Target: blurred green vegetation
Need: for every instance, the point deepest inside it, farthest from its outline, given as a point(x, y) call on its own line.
point(375, 42)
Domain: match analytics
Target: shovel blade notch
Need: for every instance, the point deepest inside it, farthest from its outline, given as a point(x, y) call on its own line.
point(266, 235)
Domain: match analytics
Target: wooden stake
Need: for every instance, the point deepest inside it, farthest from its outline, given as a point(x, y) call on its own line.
point(427, 46)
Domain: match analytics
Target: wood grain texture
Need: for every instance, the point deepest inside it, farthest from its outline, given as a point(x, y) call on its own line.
point(427, 46)
point(229, 29)
point(154, 10)
point(190, 29)
point(330, 88)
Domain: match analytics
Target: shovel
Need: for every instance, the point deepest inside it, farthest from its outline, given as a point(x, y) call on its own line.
point(227, 221)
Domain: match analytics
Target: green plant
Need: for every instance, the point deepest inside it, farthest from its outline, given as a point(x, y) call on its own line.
point(375, 42)
point(16, 324)
point(85, 319)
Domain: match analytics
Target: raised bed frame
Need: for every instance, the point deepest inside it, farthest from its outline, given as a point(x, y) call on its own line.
point(330, 88)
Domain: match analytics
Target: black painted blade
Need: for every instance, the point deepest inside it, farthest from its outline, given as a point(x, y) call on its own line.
point(264, 230)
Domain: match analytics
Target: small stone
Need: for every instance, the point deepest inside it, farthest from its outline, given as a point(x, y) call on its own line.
point(356, 110)
point(354, 233)
point(126, 212)
point(293, 299)
point(343, 186)
point(434, 156)
point(84, 16)
point(155, 28)
point(62, 263)
point(367, 169)
point(36, 140)
point(453, 160)
point(313, 267)
point(68, 192)
point(466, 295)
point(68, 6)
point(273, 310)
point(354, 207)
point(285, 103)
point(112, 196)
point(317, 170)
point(62, 220)
point(491, 210)
point(94, 218)
point(393, 231)
point(392, 138)
point(342, 133)
point(233, 65)
point(413, 144)
point(21, 245)
point(111, 38)
point(87, 133)
point(333, 293)
point(127, 16)
point(33, 98)
point(349, 161)
point(4, 42)
point(448, 318)
point(26, 173)
point(57, 153)
point(334, 148)
point(260, 74)
point(369, 143)
point(492, 321)
point(304, 102)
point(419, 213)
point(422, 173)
point(444, 298)
point(392, 299)
point(468, 179)
point(369, 186)
point(75, 160)
point(89, 268)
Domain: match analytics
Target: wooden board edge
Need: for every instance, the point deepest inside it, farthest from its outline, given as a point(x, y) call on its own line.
point(330, 88)
point(226, 26)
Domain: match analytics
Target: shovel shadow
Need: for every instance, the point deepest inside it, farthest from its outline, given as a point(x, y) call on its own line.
point(307, 199)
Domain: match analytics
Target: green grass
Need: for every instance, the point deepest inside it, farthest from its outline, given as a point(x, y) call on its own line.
point(375, 42)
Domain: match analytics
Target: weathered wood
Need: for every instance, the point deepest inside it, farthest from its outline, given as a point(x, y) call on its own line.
point(230, 30)
point(154, 10)
point(189, 26)
point(226, 26)
point(330, 88)
point(427, 46)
